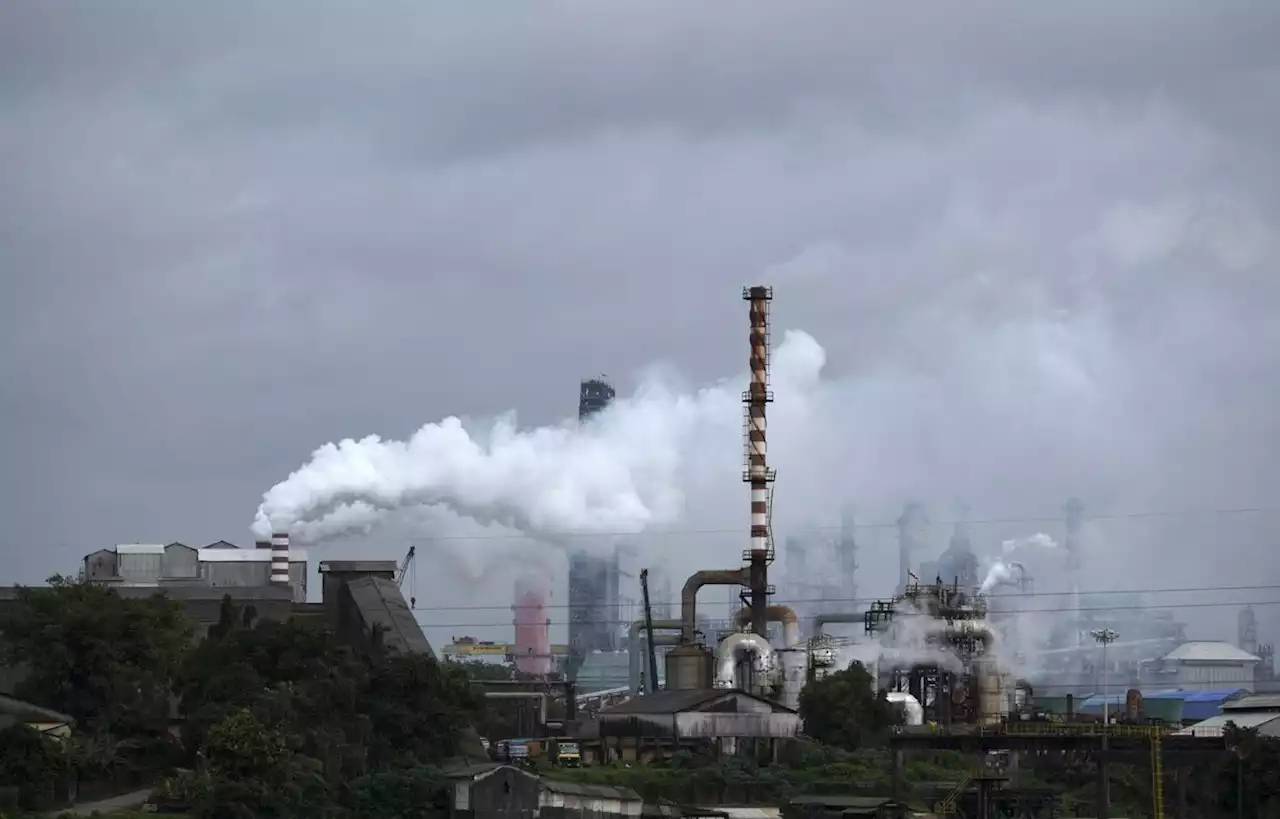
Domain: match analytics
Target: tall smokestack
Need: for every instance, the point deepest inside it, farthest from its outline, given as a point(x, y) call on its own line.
point(908, 538)
point(1074, 510)
point(757, 473)
point(280, 558)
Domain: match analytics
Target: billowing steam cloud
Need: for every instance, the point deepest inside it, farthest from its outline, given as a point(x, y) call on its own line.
point(622, 472)
point(1003, 574)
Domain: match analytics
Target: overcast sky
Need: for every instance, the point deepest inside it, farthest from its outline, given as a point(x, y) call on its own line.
point(231, 232)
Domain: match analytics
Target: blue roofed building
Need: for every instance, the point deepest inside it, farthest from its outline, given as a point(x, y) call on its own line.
point(1172, 706)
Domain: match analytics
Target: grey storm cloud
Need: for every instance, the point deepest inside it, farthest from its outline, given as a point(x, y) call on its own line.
point(1036, 241)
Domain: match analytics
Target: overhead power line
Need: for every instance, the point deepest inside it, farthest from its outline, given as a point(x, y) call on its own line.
point(853, 601)
point(993, 521)
point(1018, 611)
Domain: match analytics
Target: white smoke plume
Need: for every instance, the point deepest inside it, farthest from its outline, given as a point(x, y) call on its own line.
point(1002, 573)
point(621, 473)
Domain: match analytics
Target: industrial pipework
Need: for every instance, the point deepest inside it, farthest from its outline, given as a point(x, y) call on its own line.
point(822, 618)
point(280, 559)
point(778, 614)
point(757, 472)
point(689, 596)
point(736, 648)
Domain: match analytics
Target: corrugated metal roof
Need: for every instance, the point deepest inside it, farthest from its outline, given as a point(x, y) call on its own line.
point(749, 813)
point(1215, 725)
point(1259, 702)
point(594, 791)
point(30, 712)
point(381, 604)
point(219, 555)
point(1195, 704)
point(139, 548)
point(671, 702)
point(1206, 651)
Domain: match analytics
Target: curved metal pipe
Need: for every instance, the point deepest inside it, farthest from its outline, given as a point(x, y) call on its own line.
point(820, 620)
point(689, 595)
point(729, 654)
point(637, 628)
point(636, 648)
point(776, 614)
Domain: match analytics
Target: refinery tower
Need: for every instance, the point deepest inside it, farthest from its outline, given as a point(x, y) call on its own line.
point(595, 609)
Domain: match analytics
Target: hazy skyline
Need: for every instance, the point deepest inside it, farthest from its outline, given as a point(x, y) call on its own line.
point(1036, 242)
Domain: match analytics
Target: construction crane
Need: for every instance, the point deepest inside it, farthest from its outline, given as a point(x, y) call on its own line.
point(651, 685)
point(405, 566)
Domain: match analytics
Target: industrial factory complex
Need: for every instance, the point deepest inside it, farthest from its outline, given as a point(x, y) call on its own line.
point(954, 649)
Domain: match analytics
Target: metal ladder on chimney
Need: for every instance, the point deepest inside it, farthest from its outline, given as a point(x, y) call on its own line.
point(770, 590)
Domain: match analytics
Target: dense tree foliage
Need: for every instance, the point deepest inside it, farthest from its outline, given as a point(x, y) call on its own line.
point(95, 656)
point(843, 710)
point(279, 719)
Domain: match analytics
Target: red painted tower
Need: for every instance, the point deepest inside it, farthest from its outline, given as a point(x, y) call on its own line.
point(533, 627)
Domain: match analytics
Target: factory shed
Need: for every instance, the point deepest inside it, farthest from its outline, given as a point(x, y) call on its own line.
point(699, 714)
point(493, 791)
point(1266, 723)
point(1209, 665)
point(496, 791)
point(374, 605)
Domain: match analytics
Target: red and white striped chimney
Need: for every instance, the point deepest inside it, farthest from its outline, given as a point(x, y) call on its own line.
point(280, 558)
point(756, 398)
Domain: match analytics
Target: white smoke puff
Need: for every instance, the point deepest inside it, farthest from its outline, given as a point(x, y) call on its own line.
point(999, 574)
point(620, 473)
point(1037, 541)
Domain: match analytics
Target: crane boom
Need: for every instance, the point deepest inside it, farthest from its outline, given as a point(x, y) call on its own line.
point(404, 566)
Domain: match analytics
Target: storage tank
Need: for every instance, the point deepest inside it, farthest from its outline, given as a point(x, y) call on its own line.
point(533, 629)
point(993, 703)
point(689, 667)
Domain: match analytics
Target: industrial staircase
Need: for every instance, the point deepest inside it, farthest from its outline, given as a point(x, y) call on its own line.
point(950, 806)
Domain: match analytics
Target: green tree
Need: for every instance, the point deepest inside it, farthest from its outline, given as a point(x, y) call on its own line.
point(103, 659)
point(36, 768)
point(844, 710)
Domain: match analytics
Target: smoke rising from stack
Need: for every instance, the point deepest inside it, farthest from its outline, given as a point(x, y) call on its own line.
point(667, 459)
point(622, 471)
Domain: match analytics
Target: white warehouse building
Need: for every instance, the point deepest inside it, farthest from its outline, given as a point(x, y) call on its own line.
point(219, 565)
point(1209, 665)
